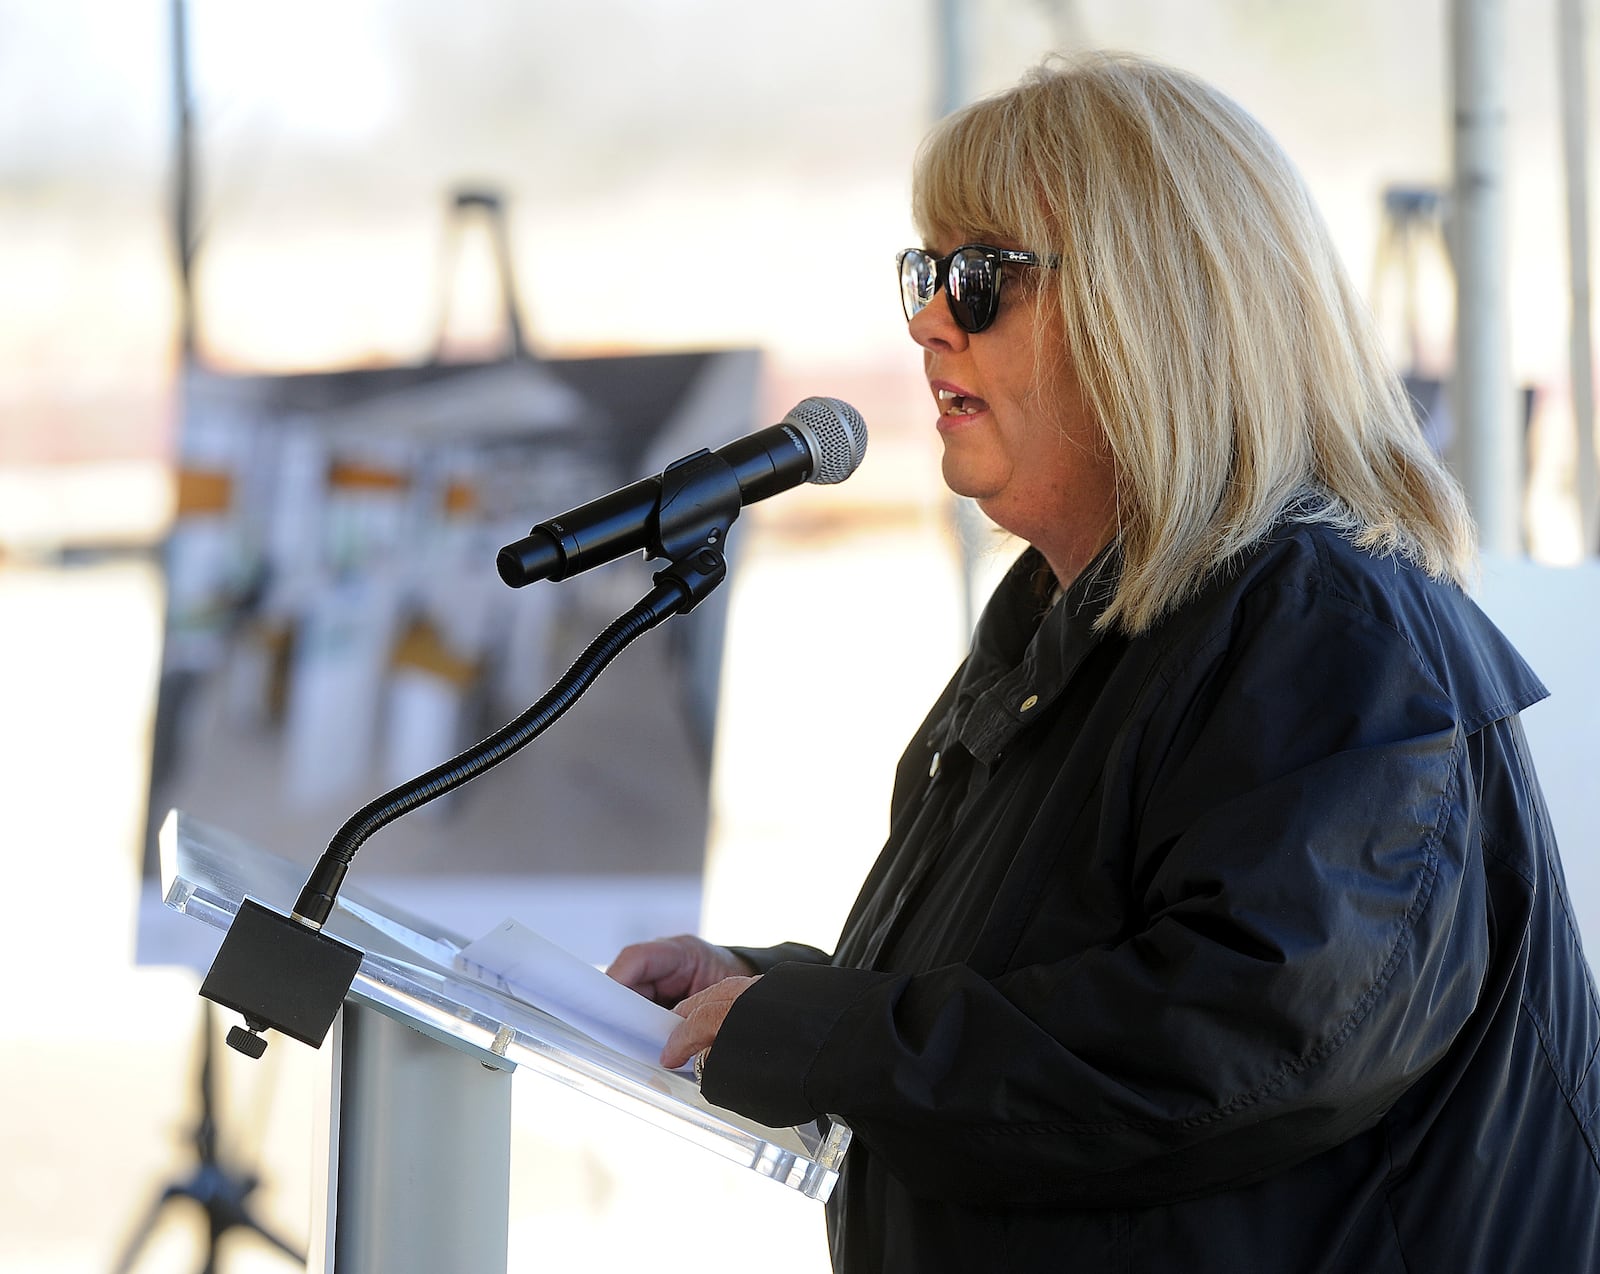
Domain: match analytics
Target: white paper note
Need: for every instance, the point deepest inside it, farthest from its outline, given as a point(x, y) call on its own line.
point(531, 967)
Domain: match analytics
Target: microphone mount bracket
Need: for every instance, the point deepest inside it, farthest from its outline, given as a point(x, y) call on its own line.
point(698, 502)
point(697, 573)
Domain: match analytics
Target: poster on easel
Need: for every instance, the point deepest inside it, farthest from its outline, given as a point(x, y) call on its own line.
point(335, 625)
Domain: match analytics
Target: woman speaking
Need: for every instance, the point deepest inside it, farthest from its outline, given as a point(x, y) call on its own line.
point(1220, 925)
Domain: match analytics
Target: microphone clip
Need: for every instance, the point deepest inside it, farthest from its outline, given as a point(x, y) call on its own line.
point(699, 500)
point(696, 573)
point(697, 504)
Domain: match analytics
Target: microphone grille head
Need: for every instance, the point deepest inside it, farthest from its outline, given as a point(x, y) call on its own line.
point(837, 434)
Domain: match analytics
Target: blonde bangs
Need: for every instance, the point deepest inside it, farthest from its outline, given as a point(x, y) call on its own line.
point(970, 179)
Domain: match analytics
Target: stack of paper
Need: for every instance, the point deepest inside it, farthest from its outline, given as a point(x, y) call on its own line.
point(519, 961)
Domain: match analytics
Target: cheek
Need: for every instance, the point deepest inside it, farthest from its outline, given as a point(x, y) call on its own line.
point(1021, 383)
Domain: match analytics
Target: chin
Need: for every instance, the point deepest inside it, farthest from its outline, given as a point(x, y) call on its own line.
point(965, 480)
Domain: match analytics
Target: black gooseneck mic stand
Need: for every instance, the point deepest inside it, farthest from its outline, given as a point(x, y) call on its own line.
point(282, 972)
point(221, 1194)
point(677, 588)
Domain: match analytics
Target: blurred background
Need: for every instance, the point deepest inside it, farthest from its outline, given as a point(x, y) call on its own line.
point(662, 187)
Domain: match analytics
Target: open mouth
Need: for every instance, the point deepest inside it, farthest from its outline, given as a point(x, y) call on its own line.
point(954, 404)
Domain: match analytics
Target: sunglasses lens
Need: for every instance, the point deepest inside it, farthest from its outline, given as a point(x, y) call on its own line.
point(918, 281)
point(971, 287)
point(971, 279)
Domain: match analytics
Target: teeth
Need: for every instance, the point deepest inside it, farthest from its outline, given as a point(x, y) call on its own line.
point(954, 404)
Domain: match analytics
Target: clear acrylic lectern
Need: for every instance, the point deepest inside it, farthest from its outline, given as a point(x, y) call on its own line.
point(418, 1136)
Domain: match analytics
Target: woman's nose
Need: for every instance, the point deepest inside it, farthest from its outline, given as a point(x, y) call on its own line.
point(933, 328)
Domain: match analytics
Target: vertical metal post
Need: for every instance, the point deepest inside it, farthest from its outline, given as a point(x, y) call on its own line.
point(954, 51)
point(419, 1155)
point(1570, 46)
point(183, 180)
point(1490, 427)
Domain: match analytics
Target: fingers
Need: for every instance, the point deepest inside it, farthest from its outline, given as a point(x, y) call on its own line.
point(668, 969)
point(664, 970)
point(656, 970)
point(703, 1015)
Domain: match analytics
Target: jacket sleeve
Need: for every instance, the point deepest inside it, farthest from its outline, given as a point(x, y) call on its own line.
point(1308, 936)
point(764, 959)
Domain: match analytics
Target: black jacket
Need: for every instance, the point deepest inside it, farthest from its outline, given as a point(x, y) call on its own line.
point(1239, 946)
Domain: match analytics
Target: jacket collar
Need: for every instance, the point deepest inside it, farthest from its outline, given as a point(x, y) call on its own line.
point(1025, 650)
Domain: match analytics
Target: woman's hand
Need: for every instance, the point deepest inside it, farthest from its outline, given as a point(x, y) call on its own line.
point(668, 970)
point(702, 1015)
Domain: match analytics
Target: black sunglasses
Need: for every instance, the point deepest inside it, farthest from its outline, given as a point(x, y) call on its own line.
point(970, 277)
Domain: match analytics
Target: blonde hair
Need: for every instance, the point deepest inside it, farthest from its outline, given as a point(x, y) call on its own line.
point(1217, 339)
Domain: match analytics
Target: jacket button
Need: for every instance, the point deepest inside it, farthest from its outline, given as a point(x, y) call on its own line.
point(933, 769)
point(1028, 703)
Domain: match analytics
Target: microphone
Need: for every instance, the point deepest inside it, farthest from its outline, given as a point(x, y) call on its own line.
point(821, 440)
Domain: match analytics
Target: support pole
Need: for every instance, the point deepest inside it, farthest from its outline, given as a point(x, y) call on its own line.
point(183, 180)
point(418, 1155)
point(1570, 47)
point(1490, 427)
